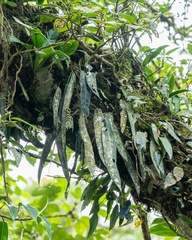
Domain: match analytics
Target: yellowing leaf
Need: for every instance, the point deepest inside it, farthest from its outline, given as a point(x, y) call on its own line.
point(138, 223)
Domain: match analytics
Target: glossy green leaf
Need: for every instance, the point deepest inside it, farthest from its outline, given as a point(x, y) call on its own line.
point(3, 231)
point(92, 224)
point(114, 217)
point(167, 146)
point(162, 230)
point(70, 47)
point(37, 38)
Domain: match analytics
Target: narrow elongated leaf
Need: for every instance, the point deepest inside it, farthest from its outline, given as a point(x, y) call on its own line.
point(153, 54)
point(109, 148)
point(170, 130)
point(23, 24)
point(88, 148)
point(31, 210)
point(167, 146)
point(92, 82)
point(156, 158)
point(56, 103)
point(123, 116)
point(127, 159)
point(98, 122)
point(155, 132)
point(178, 92)
point(61, 138)
point(3, 231)
point(93, 224)
point(132, 118)
point(85, 94)
point(114, 217)
point(171, 83)
point(47, 226)
point(46, 150)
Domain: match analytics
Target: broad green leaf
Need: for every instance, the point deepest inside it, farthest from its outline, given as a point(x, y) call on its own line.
point(92, 224)
point(31, 210)
point(3, 231)
point(114, 216)
point(37, 38)
point(69, 47)
point(167, 146)
point(162, 230)
point(13, 211)
point(153, 54)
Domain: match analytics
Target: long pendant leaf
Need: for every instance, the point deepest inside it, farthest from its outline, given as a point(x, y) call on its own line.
point(88, 148)
point(56, 103)
point(61, 138)
point(46, 150)
point(98, 119)
point(85, 94)
point(110, 151)
point(127, 159)
point(123, 116)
